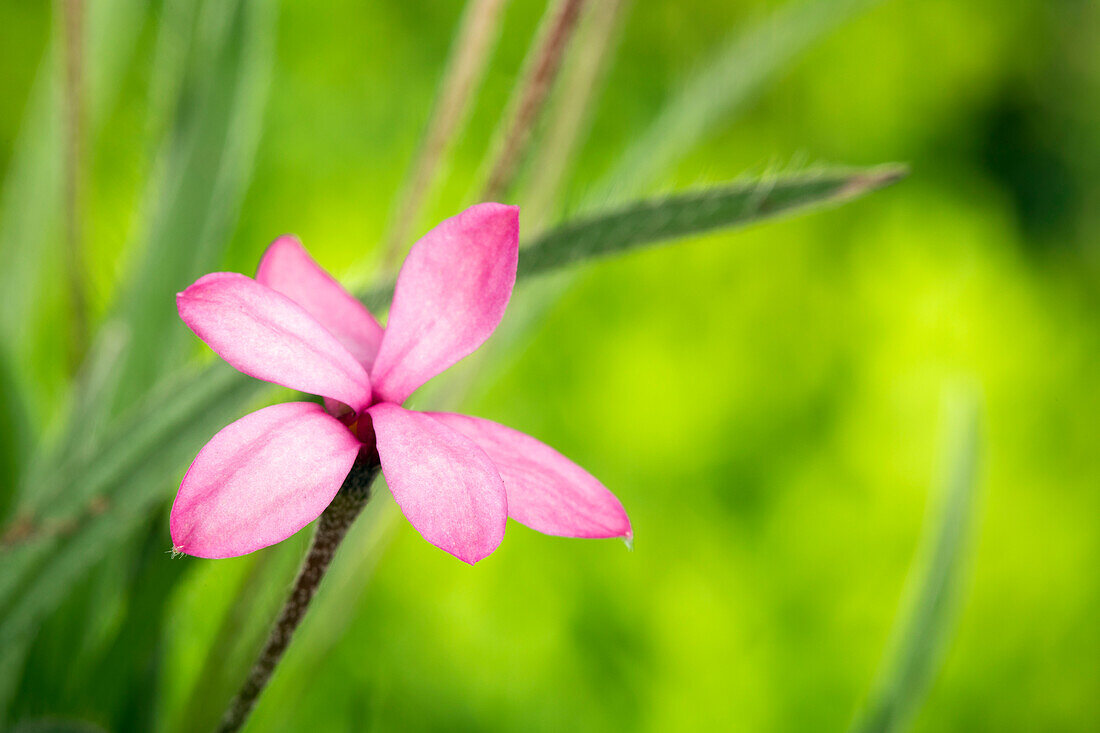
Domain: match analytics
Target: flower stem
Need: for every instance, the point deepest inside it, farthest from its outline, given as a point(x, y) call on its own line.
point(331, 529)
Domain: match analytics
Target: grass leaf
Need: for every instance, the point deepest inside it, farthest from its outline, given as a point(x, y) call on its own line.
point(208, 164)
point(31, 201)
point(933, 587)
point(14, 435)
point(686, 214)
point(95, 496)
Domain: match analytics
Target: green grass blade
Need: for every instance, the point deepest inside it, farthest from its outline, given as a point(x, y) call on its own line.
point(933, 588)
point(132, 483)
point(218, 56)
point(686, 214)
point(55, 725)
point(15, 435)
point(31, 201)
point(12, 660)
point(208, 163)
point(721, 88)
point(30, 206)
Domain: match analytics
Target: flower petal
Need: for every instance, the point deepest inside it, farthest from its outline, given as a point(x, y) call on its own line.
point(450, 296)
point(446, 486)
point(286, 267)
point(267, 335)
point(260, 480)
point(546, 490)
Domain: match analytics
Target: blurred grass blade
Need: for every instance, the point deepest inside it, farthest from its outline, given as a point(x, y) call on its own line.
point(15, 434)
point(468, 60)
point(132, 467)
point(512, 138)
point(568, 121)
point(38, 575)
point(72, 446)
point(723, 85)
point(31, 202)
point(208, 164)
point(12, 660)
point(934, 586)
point(56, 725)
point(222, 65)
point(30, 211)
point(686, 214)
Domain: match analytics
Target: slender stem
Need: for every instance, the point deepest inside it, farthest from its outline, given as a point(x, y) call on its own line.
point(542, 69)
point(331, 529)
point(73, 17)
point(580, 80)
point(465, 70)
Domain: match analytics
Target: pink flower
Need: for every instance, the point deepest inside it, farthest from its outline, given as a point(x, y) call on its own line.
point(456, 478)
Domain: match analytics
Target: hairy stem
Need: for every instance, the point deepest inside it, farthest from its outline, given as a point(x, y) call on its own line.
point(542, 69)
point(331, 529)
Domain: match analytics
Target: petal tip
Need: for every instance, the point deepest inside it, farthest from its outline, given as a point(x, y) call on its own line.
point(503, 214)
point(627, 533)
point(472, 558)
point(511, 210)
point(283, 240)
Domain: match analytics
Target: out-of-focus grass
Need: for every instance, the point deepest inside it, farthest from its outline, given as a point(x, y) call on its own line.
point(768, 413)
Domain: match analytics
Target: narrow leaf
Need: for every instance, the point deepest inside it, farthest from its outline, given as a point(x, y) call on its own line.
point(686, 214)
point(933, 588)
point(208, 164)
point(37, 575)
point(14, 435)
point(31, 200)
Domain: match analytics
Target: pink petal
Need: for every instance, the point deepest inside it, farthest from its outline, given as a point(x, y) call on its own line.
point(260, 480)
point(287, 268)
point(445, 485)
point(546, 490)
point(267, 335)
point(450, 296)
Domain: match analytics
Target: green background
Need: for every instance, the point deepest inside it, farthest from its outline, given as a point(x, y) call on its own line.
point(767, 404)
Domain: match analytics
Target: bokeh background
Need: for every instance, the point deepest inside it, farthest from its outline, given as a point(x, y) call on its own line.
point(768, 404)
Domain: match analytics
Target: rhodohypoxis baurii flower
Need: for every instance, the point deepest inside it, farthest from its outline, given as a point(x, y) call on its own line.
point(456, 478)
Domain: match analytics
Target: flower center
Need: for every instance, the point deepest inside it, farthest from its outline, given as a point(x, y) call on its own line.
point(363, 428)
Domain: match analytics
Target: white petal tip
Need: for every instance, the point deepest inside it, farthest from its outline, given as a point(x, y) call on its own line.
point(629, 542)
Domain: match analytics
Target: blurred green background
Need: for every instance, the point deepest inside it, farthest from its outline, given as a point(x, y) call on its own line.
point(767, 404)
